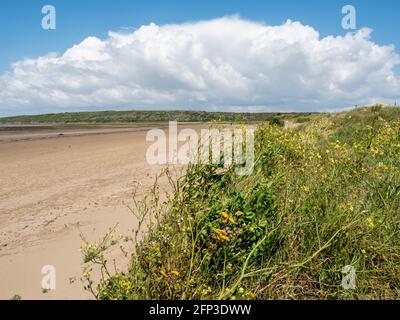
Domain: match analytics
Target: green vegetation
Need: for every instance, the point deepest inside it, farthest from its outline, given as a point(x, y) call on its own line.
point(302, 119)
point(277, 122)
point(142, 116)
point(322, 196)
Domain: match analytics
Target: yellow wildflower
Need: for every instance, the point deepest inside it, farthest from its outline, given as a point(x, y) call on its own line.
point(206, 291)
point(222, 235)
point(350, 207)
point(224, 215)
point(163, 273)
point(304, 189)
point(175, 273)
point(227, 218)
point(370, 222)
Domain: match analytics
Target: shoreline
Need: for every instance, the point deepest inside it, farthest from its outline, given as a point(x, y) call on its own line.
point(24, 134)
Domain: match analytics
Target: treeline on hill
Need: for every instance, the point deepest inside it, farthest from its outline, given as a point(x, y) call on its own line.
point(146, 116)
point(323, 195)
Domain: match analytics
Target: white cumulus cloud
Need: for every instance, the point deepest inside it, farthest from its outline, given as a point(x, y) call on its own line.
point(222, 64)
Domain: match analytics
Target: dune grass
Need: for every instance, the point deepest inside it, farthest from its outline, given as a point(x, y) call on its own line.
point(322, 196)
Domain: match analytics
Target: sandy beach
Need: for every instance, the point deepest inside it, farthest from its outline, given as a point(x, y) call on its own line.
point(52, 183)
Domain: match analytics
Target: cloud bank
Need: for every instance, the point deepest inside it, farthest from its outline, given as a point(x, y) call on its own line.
point(222, 64)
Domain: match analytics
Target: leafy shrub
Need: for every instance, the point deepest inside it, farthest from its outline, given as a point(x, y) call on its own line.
point(319, 198)
point(277, 122)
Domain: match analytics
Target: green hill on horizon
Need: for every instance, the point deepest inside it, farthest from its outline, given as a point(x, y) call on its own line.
point(145, 116)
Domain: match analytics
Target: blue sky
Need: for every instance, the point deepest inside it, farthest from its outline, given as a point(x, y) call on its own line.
point(22, 37)
point(21, 34)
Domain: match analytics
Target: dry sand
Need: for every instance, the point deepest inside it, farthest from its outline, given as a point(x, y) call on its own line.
point(46, 186)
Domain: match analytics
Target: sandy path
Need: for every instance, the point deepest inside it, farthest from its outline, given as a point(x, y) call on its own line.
point(46, 186)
